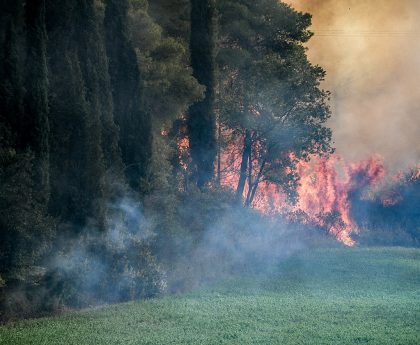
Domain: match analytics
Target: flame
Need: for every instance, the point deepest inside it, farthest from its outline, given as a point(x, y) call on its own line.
point(183, 152)
point(325, 187)
point(324, 191)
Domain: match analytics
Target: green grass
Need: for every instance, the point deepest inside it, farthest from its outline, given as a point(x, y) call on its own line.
point(336, 296)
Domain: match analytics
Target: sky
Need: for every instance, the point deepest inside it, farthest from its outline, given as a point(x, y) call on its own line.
point(370, 50)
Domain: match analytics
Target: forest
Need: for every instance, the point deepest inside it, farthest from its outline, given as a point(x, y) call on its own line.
point(139, 141)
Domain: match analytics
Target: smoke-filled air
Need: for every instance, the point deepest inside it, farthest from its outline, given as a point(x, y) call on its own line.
point(372, 56)
point(209, 172)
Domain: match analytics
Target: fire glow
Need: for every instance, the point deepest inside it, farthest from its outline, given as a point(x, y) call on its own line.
point(324, 191)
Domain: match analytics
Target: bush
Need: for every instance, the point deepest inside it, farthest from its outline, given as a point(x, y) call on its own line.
point(111, 266)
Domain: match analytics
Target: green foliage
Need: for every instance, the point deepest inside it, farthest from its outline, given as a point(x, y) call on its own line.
point(270, 94)
point(116, 266)
point(162, 202)
point(173, 16)
point(169, 87)
point(94, 63)
point(180, 218)
point(25, 228)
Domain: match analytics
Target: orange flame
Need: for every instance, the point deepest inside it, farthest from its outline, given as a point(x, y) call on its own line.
point(326, 185)
point(323, 192)
point(325, 188)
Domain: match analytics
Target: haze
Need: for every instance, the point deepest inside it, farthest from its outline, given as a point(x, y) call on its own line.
point(371, 52)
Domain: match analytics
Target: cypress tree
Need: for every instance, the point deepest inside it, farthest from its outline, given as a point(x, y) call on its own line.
point(25, 229)
point(76, 150)
point(35, 123)
point(94, 65)
point(201, 118)
point(11, 109)
point(11, 76)
point(133, 121)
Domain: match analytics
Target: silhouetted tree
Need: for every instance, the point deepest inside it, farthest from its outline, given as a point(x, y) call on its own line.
point(133, 121)
point(35, 122)
point(271, 102)
point(25, 228)
point(201, 119)
point(77, 177)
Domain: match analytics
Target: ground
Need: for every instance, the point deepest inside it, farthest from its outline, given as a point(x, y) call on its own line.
point(330, 296)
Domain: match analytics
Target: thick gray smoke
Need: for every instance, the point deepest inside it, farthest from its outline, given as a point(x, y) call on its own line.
point(371, 52)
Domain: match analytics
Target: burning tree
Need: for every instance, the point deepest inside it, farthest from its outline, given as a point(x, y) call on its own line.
point(272, 109)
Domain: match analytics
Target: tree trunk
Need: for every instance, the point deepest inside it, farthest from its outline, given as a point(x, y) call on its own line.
point(219, 151)
point(246, 152)
point(253, 188)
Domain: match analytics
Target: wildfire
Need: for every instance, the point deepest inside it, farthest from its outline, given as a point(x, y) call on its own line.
point(326, 185)
point(323, 192)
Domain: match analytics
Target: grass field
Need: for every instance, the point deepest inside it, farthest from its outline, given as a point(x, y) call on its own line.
point(333, 296)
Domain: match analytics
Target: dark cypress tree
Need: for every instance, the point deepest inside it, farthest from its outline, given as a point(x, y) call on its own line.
point(35, 123)
point(77, 179)
point(11, 109)
point(11, 76)
point(94, 65)
point(201, 118)
point(25, 229)
point(133, 121)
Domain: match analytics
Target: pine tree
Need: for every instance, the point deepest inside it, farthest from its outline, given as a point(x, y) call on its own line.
point(201, 118)
point(173, 16)
point(270, 95)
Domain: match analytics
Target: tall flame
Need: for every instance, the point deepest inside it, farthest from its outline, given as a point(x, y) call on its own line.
point(325, 187)
point(324, 191)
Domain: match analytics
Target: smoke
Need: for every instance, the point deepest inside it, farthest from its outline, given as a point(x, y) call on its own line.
point(241, 241)
point(371, 53)
point(221, 239)
point(110, 265)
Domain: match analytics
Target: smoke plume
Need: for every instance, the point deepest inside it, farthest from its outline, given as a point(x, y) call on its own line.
point(371, 52)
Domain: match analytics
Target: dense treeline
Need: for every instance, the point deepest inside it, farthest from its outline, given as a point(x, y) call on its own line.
point(109, 143)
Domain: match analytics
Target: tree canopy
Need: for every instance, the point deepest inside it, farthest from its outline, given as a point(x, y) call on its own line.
point(271, 102)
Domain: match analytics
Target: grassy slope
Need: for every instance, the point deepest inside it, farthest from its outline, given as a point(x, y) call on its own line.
point(338, 296)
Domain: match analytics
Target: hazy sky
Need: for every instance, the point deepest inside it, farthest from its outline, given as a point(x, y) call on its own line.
point(371, 52)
